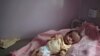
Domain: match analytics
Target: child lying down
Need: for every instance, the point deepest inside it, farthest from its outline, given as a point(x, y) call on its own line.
point(58, 44)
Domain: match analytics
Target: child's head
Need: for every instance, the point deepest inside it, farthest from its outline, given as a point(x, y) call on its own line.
point(72, 37)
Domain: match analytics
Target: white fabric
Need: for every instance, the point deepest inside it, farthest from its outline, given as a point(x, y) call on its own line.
point(45, 51)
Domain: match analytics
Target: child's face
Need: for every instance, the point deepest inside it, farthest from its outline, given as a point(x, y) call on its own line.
point(72, 38)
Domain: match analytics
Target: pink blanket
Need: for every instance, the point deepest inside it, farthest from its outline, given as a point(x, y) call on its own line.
point(38, 41)
point(86, 47)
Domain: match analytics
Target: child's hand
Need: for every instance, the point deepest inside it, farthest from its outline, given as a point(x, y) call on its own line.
point(36, 52)
point(62, 53)
point(40, 54)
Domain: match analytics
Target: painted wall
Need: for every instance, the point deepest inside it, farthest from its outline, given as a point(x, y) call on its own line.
point(84, 11)
point(86, 5)
point(20, 17)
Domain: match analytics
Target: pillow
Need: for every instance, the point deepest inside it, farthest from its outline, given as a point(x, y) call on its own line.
point(90, 30)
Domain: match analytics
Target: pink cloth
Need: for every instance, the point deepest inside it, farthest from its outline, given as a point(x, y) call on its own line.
point(93, 32)
point(86, 47)
point(90, 30)
point(83, 48)
point(38, 41)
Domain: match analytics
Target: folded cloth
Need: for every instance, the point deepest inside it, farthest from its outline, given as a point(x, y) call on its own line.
point(5, 43)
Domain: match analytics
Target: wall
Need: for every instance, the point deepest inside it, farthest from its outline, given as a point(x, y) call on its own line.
point(89, 4)
point(20, 17)
point(86, 5)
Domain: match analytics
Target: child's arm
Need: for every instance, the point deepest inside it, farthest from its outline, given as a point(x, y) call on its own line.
point(62, 52)
point(35, 52)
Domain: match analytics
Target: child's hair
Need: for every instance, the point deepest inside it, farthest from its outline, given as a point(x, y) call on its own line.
point(72, 32)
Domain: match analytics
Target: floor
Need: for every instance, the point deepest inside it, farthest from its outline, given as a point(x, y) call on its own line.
point(16, 46)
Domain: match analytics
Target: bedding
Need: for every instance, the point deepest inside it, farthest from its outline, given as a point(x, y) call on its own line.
point(88, 46)
point(38, 41)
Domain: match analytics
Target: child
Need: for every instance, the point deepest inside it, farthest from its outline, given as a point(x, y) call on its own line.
point(58, 44)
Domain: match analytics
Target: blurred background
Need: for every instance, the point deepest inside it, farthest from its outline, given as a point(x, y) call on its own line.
point(21, 17)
